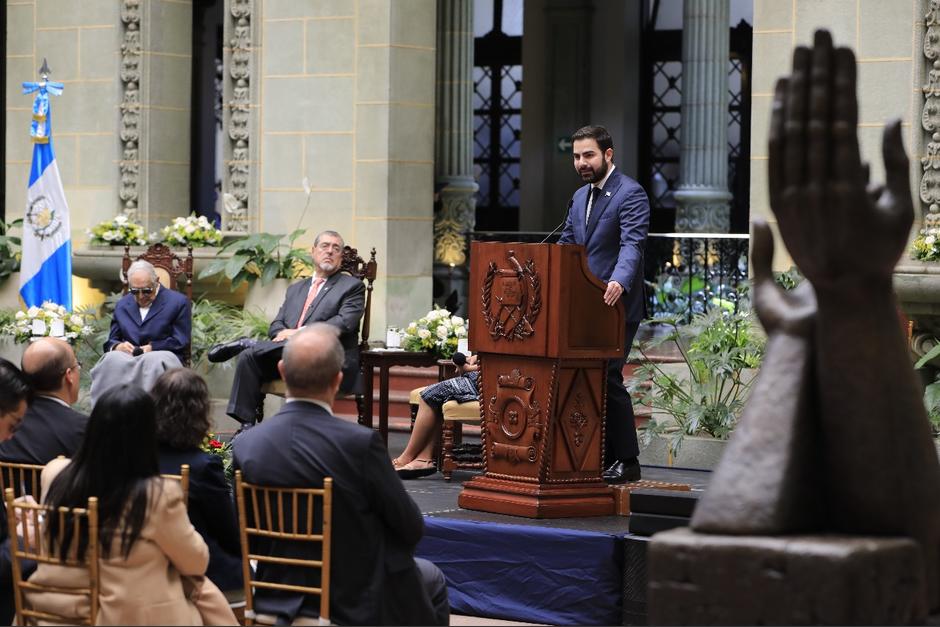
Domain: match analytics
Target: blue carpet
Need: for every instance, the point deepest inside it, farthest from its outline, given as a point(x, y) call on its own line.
point(526, 573)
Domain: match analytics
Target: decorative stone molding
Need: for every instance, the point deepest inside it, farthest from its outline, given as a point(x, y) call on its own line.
point(454, 219)
point(130, 107)
point(453, 148)
point(930, 117)
point(700, 213)
point(235, 218)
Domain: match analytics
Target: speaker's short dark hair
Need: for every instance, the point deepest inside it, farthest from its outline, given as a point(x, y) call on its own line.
point(597, 133)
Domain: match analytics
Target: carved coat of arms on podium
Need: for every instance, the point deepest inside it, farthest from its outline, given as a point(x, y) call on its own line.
point(512, 299)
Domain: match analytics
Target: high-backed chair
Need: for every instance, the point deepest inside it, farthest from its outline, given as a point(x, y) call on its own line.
point(183, 478)
point(365, 271)
point(288, 519)
point(175, 273)
point(33, 547)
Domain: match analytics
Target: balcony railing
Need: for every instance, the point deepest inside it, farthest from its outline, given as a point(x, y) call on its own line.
point(685, 273)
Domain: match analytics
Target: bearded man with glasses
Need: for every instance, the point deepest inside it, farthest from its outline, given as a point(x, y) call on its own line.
point(150, 332)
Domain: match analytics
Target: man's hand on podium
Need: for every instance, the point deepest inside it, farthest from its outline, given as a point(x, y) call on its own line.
point(613, 293)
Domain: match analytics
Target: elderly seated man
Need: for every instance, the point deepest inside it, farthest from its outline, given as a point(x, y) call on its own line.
point(150, 332)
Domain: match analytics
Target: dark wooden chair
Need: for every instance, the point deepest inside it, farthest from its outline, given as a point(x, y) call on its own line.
point(175, 273)
point(365, 271)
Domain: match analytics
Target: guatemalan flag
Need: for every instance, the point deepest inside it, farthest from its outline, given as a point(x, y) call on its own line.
point(46, 267)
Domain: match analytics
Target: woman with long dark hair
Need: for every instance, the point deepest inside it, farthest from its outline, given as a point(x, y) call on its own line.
point(146, 541)
point(182, 404)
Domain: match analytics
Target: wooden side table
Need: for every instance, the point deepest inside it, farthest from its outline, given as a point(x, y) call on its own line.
point(383, 360)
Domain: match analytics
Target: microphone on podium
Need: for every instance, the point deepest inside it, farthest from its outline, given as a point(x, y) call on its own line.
point(560, 224)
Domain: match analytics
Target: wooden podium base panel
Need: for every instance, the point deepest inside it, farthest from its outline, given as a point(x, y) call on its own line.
point(622, 492)
point(531, 500)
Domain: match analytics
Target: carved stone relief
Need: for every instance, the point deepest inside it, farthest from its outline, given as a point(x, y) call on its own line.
point(130, 108)
point(236, 216)
point(930, 117)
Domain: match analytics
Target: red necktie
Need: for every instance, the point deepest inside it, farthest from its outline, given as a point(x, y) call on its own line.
point(310, 296)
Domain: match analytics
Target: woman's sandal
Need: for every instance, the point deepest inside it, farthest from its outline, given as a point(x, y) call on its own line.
point(415, 473)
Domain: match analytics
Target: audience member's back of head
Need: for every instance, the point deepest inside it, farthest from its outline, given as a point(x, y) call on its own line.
point(14, 388)
point(44, 363)
point(312, 359)
point(182, 408)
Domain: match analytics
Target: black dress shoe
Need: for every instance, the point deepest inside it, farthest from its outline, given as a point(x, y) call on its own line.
point(622, 471)
point(224, 352)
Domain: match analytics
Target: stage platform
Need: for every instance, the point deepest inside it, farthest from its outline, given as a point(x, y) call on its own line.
point(567, 571)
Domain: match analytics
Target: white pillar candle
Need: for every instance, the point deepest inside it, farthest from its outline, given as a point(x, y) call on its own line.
point(39, 327)
point(57, 328)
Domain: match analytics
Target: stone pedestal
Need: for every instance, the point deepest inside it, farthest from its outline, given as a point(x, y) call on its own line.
point(702, 579)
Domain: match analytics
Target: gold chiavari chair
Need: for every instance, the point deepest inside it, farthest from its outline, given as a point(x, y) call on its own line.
point(287, 517)
point(31, 546)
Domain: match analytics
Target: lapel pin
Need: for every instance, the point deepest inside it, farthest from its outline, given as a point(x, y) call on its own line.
point(608, 194)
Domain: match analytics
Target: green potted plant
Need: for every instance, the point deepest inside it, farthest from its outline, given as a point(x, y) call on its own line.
point(10, 256)
point(704, 393)
point(267, 263)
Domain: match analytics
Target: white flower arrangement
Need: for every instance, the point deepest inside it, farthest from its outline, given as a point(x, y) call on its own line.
point(438, 331)
point(192, 231)
point(118, 231)
point(49, 320)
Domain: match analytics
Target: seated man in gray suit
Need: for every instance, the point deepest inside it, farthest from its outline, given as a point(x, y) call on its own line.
point(328, 296)
point(375, 578)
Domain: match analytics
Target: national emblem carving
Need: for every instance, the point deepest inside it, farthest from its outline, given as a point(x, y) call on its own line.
point(516, 293)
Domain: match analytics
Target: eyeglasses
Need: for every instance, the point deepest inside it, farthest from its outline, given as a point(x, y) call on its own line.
point(140, 290)
point(334, 247)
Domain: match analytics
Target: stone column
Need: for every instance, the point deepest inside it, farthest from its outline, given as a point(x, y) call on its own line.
point(703, 196)
point(455, 213)
point(453, 150)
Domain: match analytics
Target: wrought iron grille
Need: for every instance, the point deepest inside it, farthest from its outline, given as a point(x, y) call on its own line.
point(691, 274)
point(497, 125)
point(663, 50)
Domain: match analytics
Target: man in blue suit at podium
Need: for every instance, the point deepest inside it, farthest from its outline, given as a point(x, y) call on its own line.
point(610, 217)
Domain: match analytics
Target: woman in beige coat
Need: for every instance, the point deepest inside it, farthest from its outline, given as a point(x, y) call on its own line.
point(147, 543)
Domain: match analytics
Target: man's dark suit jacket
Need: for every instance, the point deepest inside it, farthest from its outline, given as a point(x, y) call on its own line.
point(340, 302)
point(49, 429)
point(168, 326)
point(376, 525)
point(615, 237)
point(211, 510)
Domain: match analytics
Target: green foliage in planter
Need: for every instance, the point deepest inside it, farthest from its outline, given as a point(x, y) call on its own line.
point(717, 349)
point(932, 390)
point(7, 318)
point(216, 322)
point(10, 253)
point(261, 256)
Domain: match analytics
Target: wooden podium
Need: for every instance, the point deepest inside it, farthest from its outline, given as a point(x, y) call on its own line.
point(543, 333)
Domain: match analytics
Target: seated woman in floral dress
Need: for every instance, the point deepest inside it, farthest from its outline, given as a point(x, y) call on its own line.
point(417, 460)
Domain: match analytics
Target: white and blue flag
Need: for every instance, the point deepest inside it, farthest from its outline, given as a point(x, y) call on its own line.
point(46, 267)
